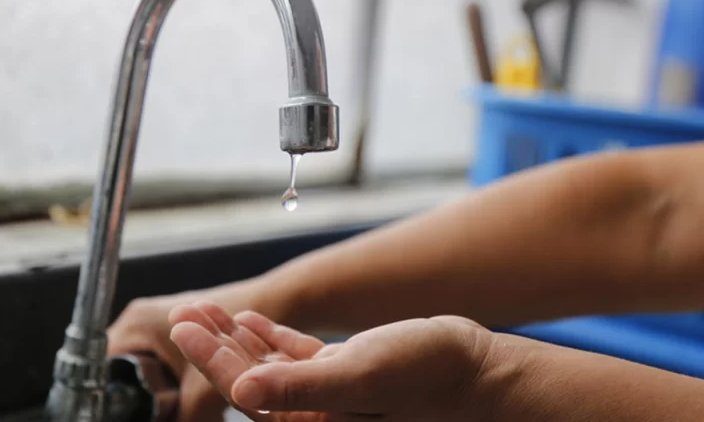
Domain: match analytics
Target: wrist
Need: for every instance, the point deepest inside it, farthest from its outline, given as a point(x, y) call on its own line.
point(507, 365)
point(285, 295)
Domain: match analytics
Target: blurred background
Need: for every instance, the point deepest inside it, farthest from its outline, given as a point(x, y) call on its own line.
point(218, 77)
point(209, 131)
point(211, 107)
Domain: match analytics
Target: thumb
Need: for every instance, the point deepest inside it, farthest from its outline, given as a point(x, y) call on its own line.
point(199, 401)
point(319, 385)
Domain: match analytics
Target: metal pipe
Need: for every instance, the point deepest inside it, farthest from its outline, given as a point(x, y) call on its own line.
point(308, 123)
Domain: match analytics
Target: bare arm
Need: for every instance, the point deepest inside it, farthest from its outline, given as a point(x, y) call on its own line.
point(599, 234)
point(536, 382)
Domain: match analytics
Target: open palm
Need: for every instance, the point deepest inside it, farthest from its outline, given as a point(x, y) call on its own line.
point(224, 348)
point(422, 369)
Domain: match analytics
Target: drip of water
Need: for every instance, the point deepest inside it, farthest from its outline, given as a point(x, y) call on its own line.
point(289, 200)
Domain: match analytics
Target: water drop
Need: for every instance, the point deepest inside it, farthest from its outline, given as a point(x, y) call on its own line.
point(289, 200)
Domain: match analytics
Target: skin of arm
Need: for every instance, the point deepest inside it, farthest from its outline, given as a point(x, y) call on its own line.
point(606, 233)
point(536, 382)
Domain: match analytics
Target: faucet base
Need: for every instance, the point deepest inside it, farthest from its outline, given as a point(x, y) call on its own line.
point(74, 404)
point(80, 374)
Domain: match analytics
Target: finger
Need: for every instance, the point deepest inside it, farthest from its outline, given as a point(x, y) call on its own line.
point(330, 417)
point(327, 351)
point(124, 341)
point(217, 365)
point(198, 401)
point(217, 321)
point(222, 319)
point(323, 385)
point(252, 343)
point(278, 337)
point(457, 320)
point(120, 342)
point(190, 313)
point(221, 365)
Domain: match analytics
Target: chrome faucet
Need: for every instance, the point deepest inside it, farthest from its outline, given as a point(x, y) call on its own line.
point(308, 123)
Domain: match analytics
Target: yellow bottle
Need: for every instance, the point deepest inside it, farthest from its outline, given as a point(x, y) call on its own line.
point(518, 66)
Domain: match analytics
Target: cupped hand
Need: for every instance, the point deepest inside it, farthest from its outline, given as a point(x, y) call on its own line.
point(223, 348)
point(422, 369)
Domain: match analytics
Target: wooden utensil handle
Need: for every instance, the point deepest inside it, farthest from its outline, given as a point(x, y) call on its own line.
point(481, 53)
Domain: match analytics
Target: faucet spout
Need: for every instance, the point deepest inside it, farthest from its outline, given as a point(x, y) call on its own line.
point(308, 123)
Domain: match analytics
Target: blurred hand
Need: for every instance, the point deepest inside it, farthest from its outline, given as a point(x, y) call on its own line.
point(144, 327)
point(422, 369)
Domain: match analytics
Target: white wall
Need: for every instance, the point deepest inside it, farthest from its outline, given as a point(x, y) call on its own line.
point(218, 77)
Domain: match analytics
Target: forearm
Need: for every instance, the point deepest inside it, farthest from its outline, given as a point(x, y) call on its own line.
point(580, 237)
point(555, 384)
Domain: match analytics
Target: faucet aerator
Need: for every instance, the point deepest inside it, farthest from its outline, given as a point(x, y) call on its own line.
point(310, 126)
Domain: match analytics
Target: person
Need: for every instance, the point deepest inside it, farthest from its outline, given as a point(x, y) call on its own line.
point(599, 234)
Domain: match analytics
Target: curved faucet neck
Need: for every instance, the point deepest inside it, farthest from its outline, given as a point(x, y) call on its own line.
point(305, 48)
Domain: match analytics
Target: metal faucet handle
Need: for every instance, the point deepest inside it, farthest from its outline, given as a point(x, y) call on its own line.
point(141, 389)
point(309, 125)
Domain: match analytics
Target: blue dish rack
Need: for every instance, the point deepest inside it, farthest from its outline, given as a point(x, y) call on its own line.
point(517, 132)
